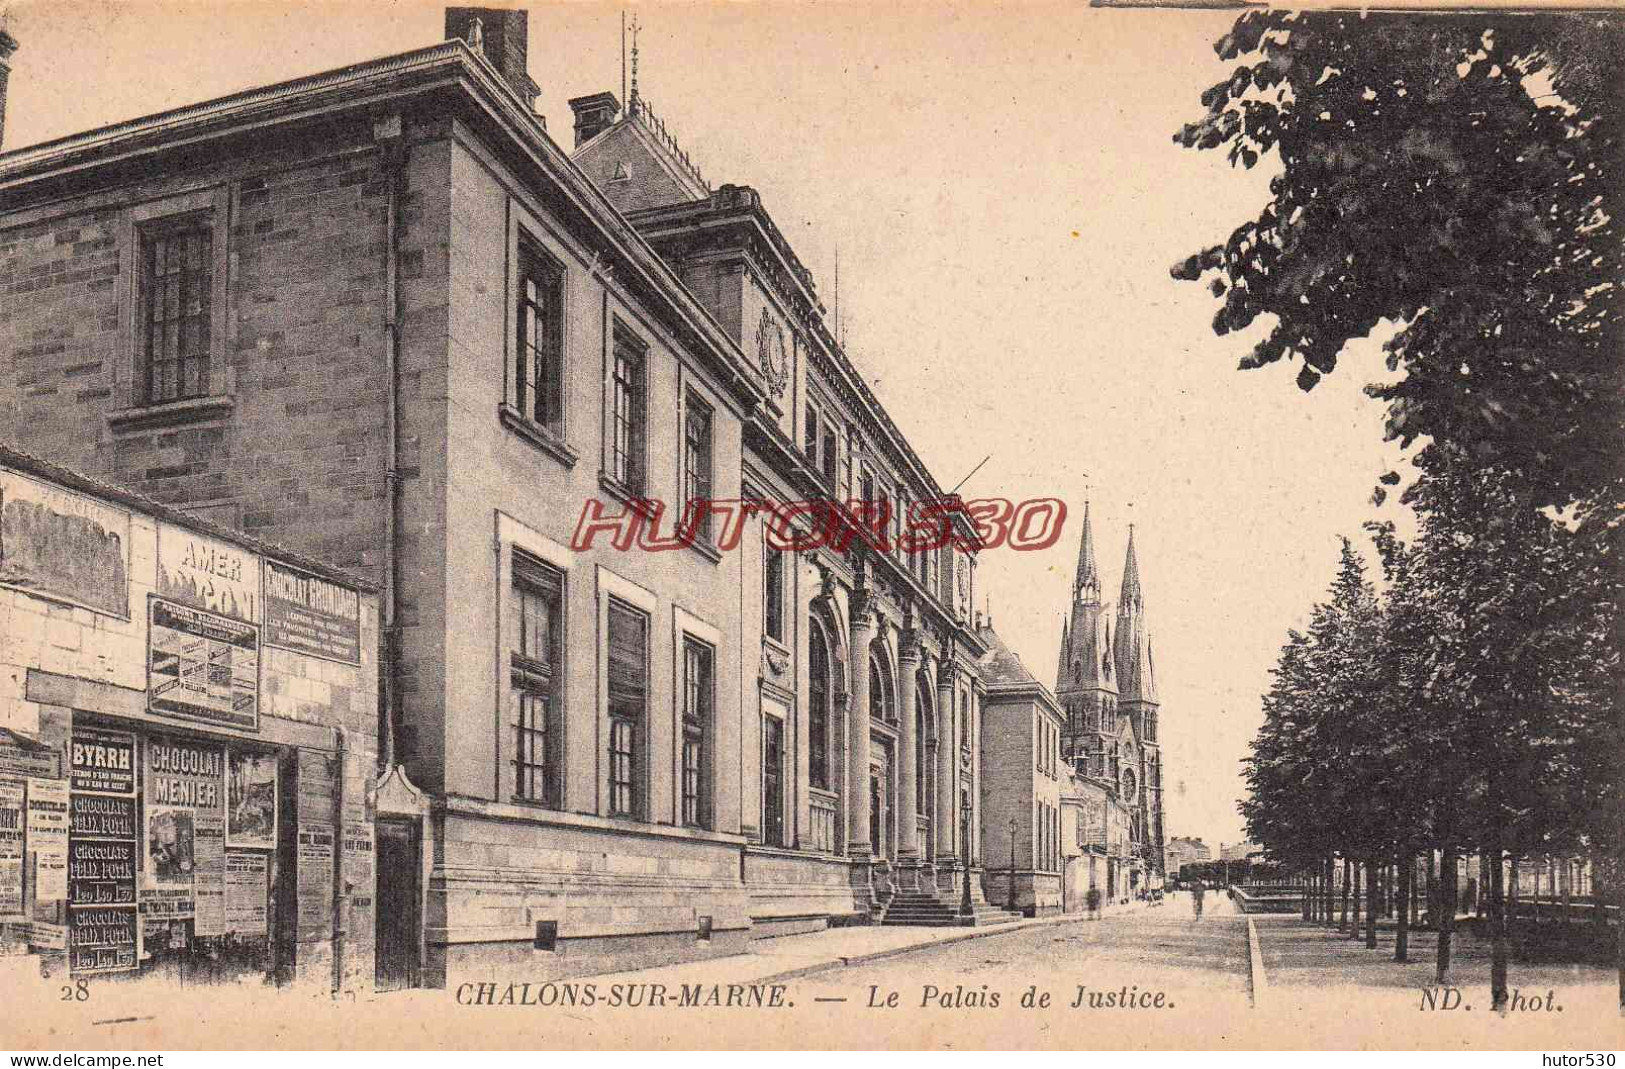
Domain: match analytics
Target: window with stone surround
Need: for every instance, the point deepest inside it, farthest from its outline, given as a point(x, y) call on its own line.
point(698, 463)
point(773, 593)
point(539, 337)
point(772, 780)
point(536, 634)
point(629, 413)
point(177, 309)
point(698, 701)
point(628, 693)
point(818, 712)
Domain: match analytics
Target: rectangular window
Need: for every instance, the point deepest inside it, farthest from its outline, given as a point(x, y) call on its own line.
point(630, 414)
point(539, 351)
point(773, 593)
point(697, 461)
point(628, 687)
point(536, 674)
point(851, 452)
point(773, 781)
point(177, 287)
point(828, 457)
point(809, 439)
point(697, 701)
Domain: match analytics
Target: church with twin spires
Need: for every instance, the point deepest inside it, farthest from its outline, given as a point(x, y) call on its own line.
point(1106, 686)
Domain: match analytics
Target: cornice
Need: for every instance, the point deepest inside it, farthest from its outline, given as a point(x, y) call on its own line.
point(391, 81)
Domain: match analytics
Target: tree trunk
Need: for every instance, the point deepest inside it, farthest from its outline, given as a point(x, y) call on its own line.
point(1567, 876)
point(1308, 895)
point(1444, 921)
point(1343, 912)
point(1361, 875)
point(1402, 935)
point(1373, 899)
point(1329, 892)
point(1433, 898)
point(1498, 927)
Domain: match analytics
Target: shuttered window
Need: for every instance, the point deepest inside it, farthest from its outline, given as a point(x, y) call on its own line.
point(536, 641)
point(628, 688)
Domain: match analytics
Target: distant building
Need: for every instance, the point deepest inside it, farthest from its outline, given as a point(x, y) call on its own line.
point(1241, 851)
point(1182, 851)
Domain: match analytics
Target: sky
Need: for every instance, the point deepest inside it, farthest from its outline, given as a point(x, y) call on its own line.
point(1002, 186)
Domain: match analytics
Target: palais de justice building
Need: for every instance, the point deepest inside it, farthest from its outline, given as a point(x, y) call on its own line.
point(380, 316)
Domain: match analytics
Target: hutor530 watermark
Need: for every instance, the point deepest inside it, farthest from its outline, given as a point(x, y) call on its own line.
point(987, 523)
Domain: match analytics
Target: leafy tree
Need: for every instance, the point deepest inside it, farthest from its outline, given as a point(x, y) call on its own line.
point(1458, 176)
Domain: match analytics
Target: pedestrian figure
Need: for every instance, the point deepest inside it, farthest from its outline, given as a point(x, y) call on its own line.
point(1092, 901)
point(1197, 893)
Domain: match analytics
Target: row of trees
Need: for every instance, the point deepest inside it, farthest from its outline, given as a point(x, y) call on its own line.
point(1455, 180)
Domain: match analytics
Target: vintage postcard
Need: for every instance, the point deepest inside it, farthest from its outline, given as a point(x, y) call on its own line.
point(781, 525)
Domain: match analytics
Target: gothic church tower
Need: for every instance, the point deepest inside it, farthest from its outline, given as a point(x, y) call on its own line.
point(1137, 685)
point(1086, 677)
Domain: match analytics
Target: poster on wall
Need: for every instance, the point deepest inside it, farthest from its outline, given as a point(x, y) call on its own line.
point(246, 893)
point(314, 879)
point(209, 874)
point(251, 802)
point(60, 545)
point(102, 939)
point(102, 762)
point(185, 788)
point(101, 872)
point(202, 666)
point(47, 831)
point(208, 574)
point(11, 850)
point(309, 614)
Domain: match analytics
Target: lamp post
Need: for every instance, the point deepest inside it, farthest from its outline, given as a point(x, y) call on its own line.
point(1013, 868)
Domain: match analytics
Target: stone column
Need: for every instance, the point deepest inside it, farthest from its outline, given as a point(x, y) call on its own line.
point(908, 787)
point(858, 844)
point(947, 818)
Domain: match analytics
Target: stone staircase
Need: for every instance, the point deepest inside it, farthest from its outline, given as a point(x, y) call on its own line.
point(939, 909)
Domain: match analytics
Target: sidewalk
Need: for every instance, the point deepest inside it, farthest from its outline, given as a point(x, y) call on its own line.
point(787, 956)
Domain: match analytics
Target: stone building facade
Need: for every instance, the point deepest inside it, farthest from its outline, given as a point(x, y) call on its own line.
point(1023, 776)
point(189, 721)
point(379, 315)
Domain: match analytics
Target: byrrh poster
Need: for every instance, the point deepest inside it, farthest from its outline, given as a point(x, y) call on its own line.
point(1083, 528)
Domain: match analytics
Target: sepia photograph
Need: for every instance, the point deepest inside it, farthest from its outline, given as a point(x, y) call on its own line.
point(953, 525)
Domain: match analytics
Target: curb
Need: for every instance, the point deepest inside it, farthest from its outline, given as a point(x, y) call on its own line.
point(892, 952)
point(1257, 985)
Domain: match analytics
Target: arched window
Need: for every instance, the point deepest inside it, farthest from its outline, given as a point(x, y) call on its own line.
point(818, 711)
point(880, 703)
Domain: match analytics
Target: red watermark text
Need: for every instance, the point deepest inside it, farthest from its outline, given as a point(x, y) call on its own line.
point(716, 523)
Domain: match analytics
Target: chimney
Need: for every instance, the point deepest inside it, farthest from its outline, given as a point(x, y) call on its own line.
point(8, 45)
point(503, 37)
point(594, 115)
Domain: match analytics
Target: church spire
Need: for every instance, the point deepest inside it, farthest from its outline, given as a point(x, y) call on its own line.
point(1086, 585)
point(1132, 597)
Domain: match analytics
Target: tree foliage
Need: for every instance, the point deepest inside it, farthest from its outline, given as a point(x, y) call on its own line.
point(1460, 177)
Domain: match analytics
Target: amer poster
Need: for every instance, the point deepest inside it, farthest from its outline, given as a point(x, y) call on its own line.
point(251, 800)
point(208, 574)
